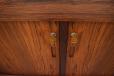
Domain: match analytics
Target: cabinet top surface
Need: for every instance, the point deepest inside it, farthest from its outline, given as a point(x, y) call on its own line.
point(95, 10)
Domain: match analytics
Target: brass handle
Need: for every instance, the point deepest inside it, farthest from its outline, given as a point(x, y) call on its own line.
point(73, 43)
point(74, 38)
point(53, 44)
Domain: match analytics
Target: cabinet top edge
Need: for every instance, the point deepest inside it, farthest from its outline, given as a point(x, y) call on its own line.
point(56, 1)
point(84, 11)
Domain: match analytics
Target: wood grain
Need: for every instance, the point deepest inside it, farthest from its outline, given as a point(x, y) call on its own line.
point(25, 48)
point(95, 53)
point(94, 10)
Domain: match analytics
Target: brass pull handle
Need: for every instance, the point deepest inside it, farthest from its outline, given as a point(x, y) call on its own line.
point(53, 44)
point(74, 38)
point(73, 43)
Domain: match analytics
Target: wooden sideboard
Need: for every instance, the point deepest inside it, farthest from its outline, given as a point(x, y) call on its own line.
point(57, 37)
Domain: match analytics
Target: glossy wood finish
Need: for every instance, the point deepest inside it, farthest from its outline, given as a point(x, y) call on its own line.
point(25, 48)
point(93, 10)
point(94, 55)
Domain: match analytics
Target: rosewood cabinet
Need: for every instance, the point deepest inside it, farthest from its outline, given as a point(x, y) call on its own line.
point(57, 37)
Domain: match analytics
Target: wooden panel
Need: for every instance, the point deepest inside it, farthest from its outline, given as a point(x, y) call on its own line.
point(25, 48)
point(94, 54)
point(94, 10)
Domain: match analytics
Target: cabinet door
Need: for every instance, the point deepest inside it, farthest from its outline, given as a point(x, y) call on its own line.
point(90, 49)
point(25, 48)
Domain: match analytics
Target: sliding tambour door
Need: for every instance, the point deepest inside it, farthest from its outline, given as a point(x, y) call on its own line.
point(29, 47)
point(90, 49)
